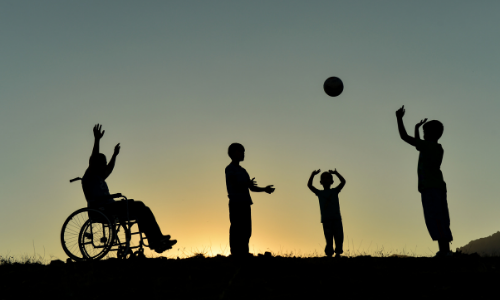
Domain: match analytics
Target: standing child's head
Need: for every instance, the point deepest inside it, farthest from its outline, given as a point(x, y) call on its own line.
point(236, 152)
point(433, 130)
point(326, 180)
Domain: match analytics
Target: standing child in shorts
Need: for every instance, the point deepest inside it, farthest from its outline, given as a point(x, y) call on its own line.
point(431, 184)
point(330, 210)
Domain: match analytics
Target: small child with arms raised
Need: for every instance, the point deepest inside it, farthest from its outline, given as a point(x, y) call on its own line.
point(330, 210)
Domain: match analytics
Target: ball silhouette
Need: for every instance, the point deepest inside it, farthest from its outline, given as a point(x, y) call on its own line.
point(333, 86)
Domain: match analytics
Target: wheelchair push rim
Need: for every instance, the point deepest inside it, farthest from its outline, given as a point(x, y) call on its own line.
point(86, 238)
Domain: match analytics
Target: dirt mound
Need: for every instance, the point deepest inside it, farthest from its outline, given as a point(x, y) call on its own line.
point(487, 246)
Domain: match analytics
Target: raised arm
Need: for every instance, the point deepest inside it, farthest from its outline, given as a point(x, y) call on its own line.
point(97, 138)
point(341, 178)
point(310, 182)
point(401, 127)
point(111, 164)
point(417, 128)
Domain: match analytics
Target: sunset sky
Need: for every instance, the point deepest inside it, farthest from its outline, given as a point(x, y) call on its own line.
point(176, 82)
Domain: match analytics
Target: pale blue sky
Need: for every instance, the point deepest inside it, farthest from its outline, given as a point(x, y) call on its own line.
point(176, 82)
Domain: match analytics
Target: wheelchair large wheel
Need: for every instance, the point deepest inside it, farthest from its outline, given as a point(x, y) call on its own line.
point(87, 234)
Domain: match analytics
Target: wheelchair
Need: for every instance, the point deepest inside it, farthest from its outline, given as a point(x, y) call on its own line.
point(92, 233)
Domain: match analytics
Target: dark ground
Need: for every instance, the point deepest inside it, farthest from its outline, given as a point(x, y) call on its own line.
point(258, 278)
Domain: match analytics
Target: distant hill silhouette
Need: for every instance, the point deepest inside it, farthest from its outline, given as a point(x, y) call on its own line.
point(487, 246)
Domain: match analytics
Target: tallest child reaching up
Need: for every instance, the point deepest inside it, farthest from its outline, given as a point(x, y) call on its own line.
point(431, 184)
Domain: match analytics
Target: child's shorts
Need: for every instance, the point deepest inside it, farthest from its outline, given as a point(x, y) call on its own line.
point(437, 217)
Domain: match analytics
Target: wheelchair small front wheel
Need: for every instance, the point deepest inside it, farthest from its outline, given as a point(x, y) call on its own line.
point(124, 252)
point(87, 234)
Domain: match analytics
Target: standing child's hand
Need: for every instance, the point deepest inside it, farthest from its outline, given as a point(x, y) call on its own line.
point(117, 149)
point(400, 112)
point(333, 172)
point(422, 122)
point(269, 189)
point(314, 173)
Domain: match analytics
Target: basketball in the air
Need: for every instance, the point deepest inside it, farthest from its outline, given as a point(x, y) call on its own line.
point(333, 86)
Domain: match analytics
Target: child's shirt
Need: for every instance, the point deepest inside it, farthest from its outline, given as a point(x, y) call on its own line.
point(94, 187)
point(328, 204)
point(429, 165)
point(241, 192)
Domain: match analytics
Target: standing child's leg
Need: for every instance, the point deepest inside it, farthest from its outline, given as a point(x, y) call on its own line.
point(328, 231)
point(445, 232)
point(240, 231)
point(444, 246)
point(338, 234)
point(437, 218)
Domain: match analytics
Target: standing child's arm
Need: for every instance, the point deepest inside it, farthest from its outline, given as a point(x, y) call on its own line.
point(342, 179)
point(254, 188)
point(310, 182)
point(402, 131)
point(417, 127)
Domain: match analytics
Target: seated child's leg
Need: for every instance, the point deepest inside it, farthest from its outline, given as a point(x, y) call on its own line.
point(338, 234)
point(146, 221)
point(140, 212)
point(328, 231)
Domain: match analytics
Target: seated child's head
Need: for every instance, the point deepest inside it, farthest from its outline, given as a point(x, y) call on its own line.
point(98, 162)
point(433, 130)
point(236, 151)
point(326, 179)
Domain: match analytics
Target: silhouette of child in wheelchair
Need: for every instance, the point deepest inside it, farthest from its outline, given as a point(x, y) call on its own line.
point(90, 233)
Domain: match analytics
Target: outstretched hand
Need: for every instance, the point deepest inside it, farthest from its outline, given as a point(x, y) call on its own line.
point(333, 172)
point(422, 122)
point(97, 131)
point(269, 189)
point(400, 112)
point(117, 149)
point(314, 173)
